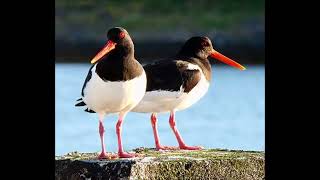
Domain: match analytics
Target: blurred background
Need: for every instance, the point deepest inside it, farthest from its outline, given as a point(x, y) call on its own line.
point(231, 115)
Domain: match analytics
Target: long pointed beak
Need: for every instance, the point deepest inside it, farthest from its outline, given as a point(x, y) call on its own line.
point(106, 49)
point(215, 54)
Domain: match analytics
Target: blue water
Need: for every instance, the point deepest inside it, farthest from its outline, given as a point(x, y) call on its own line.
point(231, 115)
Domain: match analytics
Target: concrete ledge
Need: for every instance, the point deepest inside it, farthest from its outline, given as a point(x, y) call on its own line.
point(178, 164)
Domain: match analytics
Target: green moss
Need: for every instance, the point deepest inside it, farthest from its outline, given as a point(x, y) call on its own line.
point(176, 154)
point(78, 156)
point(215, 164)
point(210, 153)
point(175, 164)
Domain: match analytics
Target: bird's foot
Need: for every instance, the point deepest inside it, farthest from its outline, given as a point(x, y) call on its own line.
point(185, 147)
point(104, 155)
point(126, 155)
point(159, 148)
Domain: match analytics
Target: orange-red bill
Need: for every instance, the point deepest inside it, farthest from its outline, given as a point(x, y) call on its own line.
point(106, 49)
point(226, 60)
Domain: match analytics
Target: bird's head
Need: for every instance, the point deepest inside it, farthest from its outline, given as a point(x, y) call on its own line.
point(202, 48)
point(117, 36)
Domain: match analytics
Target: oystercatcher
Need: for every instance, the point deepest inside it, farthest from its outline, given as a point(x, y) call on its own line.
point(176, 84)
point(115, 83)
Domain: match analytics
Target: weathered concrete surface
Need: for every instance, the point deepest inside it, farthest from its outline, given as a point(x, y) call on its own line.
point(177, 164)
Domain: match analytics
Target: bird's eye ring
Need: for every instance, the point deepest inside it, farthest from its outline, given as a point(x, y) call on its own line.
point(204, 43)
point(122, 35)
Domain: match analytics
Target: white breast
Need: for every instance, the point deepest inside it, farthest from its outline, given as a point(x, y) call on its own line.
point(113, 97)
point(165, 101)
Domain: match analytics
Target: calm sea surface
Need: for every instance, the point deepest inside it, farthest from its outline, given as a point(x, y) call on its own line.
point(231, 115)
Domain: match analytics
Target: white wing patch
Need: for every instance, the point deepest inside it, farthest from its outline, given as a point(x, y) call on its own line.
point(193, 67)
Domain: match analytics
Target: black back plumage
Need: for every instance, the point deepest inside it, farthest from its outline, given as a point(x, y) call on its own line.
point(173, 74)
point(170, 76)
point(89, 75)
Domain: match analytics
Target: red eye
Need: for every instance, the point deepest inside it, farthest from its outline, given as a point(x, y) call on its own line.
point(204, 44)
point(121, 35)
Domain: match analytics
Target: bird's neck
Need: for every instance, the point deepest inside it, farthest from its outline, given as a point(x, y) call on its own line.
point(123, 52)
point(119, 65)
point(206, 69)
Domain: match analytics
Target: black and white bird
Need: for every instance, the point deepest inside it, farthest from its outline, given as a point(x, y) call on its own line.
point(176, 84)
point(115, 83)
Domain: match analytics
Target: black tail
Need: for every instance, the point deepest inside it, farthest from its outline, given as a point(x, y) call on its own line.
point(89, 111)
point(81, 103)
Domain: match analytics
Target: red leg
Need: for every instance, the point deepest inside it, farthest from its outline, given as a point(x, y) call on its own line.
point(121, 153)
point(182, 145)
point(101, 132)
point(103, 154)
point(156, 136)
